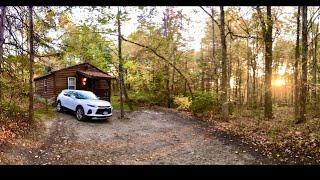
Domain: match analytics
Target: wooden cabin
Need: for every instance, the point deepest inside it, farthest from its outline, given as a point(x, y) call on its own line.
point(81, 77)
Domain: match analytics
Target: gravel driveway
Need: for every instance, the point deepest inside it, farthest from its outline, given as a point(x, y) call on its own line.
point(147, 137)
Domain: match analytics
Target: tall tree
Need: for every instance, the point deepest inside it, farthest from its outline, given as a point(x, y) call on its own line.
point(121, 88)
point(224, 78)
point(2, 19)
point(304, 63)
point(214, 62)
point(31, 61)
point(296, 67)
point(314, 98)
point(267, 38)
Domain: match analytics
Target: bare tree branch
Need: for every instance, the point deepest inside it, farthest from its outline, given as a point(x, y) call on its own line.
point(163, 58)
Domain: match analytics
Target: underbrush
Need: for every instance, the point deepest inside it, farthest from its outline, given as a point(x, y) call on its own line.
point(115, 102)
point(14, 122)
point(279, 138)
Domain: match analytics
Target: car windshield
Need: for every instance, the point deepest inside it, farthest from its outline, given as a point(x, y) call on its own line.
point(85, 95)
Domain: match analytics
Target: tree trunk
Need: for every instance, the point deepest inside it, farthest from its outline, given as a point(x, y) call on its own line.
point(296, 68)
point(31, 113)
point(267, 37)
point(268, 66)
point(254, 79)
point(127, 99)
point(248, 75)
point(214, 61)
point(237, 87)
point(173, 76)
point(304, 62)
point(168, 86)
point(121, 88)
point(229, 66)
point(224, 78)
point(2, 19)
point(314, 73)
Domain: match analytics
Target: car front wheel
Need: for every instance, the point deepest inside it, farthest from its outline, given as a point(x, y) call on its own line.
point(80, 114)
point(59, 107)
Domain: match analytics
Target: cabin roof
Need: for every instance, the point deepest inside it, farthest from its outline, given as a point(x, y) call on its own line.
point(94, 74)
point(100, 73)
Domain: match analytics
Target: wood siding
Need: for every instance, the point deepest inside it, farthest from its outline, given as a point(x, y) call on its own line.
point(58, 81)
point(39, 86)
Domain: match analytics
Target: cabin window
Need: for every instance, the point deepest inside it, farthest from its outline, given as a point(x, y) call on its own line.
point(45, 86)
point(71, 83)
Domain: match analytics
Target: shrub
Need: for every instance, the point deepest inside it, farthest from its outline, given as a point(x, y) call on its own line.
point(11, 110)
point(203, 102)
point(182, 102)
point(141, 97)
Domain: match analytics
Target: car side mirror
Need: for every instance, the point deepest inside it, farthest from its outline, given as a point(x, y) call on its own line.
point(73, 96)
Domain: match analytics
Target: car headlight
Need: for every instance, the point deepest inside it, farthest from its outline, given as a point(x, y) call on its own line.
point(91, 105)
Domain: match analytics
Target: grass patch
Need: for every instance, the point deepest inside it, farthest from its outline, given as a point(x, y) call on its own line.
point(115, 102)
point(43, 113)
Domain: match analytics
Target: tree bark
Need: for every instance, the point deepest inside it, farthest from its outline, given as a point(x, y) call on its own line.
point(268, 66)
point(248, 75)
point(296, 68)
point(254, 79)
point(202, 68)
point(304, 62)
point(267, 37)
point(215, 78)
point(31, 61)
point(314, 72)
point(224, 78)
point(121, 88)
point(229, 67)
point(2, 19)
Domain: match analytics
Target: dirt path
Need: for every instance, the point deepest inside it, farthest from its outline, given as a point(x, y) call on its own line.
point(147, 137)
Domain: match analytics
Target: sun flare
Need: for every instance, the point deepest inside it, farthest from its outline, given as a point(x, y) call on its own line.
point(278, 82)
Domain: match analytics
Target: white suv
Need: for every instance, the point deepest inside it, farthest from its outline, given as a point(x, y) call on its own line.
point(84, 104)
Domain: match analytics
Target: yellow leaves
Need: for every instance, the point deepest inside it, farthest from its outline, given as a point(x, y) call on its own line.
point(64, 20)
point(183, 102)
point(49, 16)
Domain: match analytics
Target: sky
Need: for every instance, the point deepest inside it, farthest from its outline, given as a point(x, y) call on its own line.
point(194, 31)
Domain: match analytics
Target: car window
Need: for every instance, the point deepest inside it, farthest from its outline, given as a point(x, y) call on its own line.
point(85, 95)
point(69, 93)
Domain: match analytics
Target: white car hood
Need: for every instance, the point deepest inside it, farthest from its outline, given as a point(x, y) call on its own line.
point(95, 102)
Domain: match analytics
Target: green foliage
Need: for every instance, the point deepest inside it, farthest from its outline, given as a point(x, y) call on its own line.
point(82, 43)
point(182, 102)
point(203, 102)
point(115, 102)
point(11, 110)
point(141, 97)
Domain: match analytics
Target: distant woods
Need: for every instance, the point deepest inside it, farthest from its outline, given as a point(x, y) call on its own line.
point(254, 58)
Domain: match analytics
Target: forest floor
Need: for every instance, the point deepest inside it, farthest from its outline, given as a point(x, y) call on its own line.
point(147, 136)
point(279, 138)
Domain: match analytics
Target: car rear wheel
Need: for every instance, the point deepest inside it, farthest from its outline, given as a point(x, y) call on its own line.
point(80, 114)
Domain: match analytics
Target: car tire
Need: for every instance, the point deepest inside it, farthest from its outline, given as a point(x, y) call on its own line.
point(80, 114)
point(59, 107)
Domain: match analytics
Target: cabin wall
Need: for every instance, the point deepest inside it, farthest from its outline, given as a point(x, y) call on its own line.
point(39, 87)
point(101, 87)
point(58, 81)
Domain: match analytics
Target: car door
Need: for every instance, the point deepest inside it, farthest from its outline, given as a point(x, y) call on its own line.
point(68, 100)
point(73, 102)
